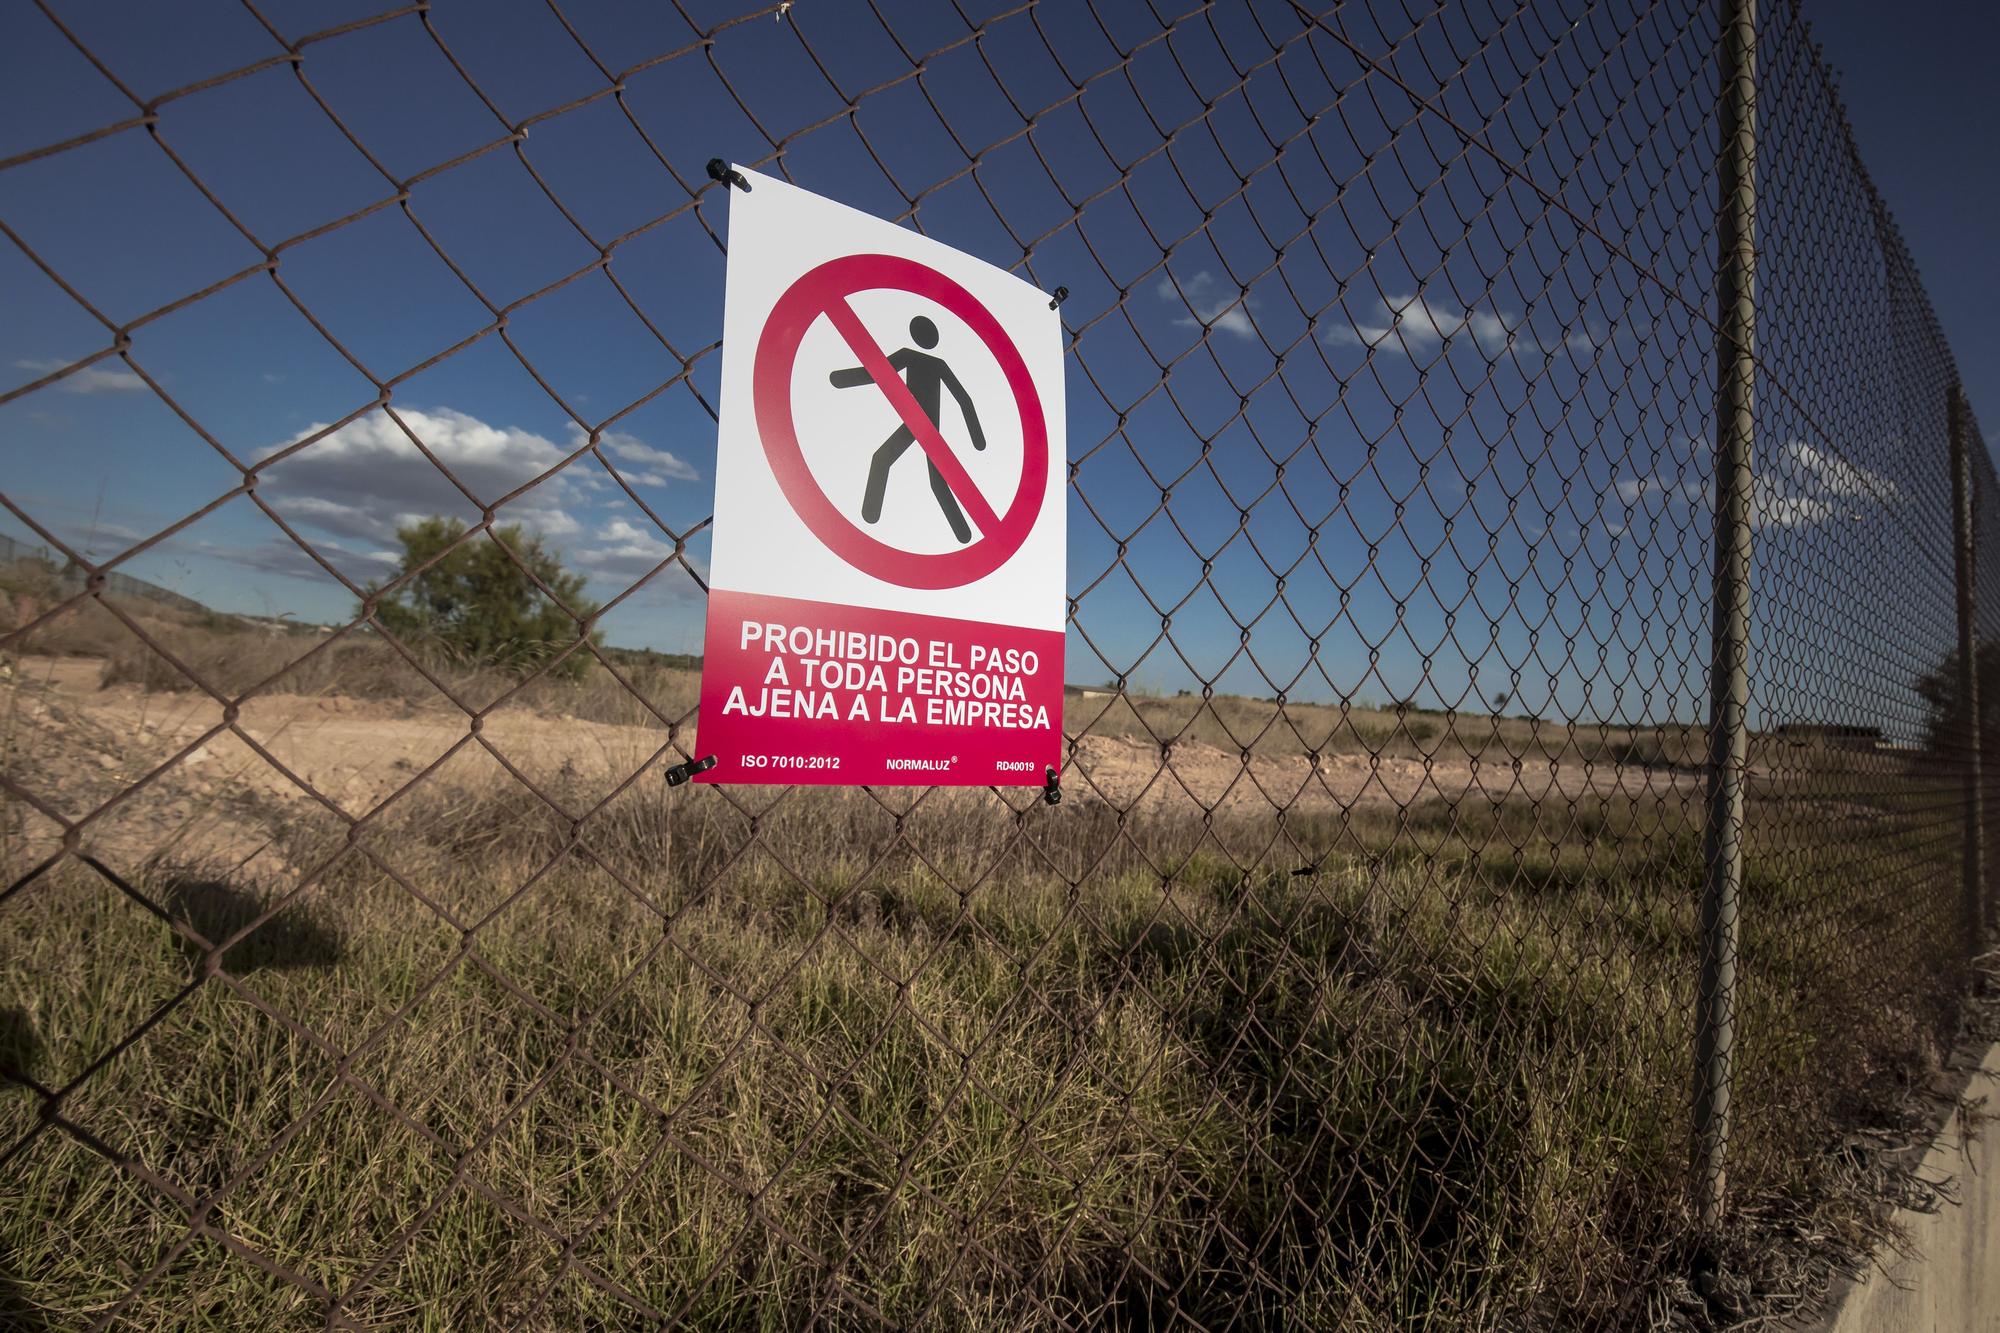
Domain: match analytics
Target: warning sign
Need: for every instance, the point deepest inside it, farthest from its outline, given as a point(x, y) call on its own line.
point(886, 595)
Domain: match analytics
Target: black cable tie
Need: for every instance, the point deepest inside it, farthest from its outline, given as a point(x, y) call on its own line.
point(680, 773)
point(720, 171)
point(1052, 789)
point(1060, 295)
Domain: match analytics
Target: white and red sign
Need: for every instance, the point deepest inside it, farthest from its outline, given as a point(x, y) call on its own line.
point(886, 595)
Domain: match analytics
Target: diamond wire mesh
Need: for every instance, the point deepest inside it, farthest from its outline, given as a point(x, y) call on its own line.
point(1336, 994)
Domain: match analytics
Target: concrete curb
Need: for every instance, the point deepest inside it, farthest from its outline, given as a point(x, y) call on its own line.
point(1948, 1278)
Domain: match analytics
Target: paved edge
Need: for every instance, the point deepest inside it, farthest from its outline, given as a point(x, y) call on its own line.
point(1947, 1279)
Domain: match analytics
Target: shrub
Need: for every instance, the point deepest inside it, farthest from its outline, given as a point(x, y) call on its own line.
point(479, 599)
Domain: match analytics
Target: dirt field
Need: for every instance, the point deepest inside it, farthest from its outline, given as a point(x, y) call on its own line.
point(180, 777)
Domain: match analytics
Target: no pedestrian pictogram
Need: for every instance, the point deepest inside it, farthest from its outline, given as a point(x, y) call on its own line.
point(825, 291)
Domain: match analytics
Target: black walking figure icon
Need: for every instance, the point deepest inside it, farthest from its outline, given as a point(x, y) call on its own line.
point(925, 375)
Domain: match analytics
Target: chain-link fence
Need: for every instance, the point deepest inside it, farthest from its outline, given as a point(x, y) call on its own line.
point(1460, 913)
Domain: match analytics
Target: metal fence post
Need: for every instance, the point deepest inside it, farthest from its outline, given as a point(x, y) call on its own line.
point(1974, 861)
point(1736, 237)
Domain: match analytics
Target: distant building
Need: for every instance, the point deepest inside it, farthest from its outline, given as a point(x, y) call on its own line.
point(1838, 735)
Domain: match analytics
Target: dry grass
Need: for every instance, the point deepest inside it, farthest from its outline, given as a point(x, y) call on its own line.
point(1075, 1068)
point(930, 1060)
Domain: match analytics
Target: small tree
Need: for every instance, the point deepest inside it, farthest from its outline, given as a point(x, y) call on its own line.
point(1945, 726)
point(479, 604)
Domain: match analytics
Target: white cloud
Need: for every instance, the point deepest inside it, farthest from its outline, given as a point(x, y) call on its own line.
point(281, 555)
point(100, 533)
point(1804, 485)
point(350, 491)
point(367, 479)
point(1590, 336)
point(1687, 490)
point(1770, 508)
point(1836, 476)
point(107, 376)
point(628, 553)
point(354, 520)
point(1418, 324)
point(655, 467)
point(90, 535)
point(629, 550)
point(1798, 486)
point(1213, 305)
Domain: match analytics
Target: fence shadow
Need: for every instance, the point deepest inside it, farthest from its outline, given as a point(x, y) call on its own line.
point(19, 1048)
point(217, 910)
point(17, 1312)
point(19, 1045)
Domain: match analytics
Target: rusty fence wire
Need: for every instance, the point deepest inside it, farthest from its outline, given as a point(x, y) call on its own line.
point(1411, 848)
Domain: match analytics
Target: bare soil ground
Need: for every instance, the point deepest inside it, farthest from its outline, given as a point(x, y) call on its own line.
point(174, 773)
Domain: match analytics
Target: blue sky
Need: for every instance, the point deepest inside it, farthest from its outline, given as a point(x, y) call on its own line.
point(1434, 398)
point(1916, 85)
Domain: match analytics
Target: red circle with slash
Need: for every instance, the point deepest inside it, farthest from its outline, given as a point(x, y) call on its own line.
point(824, 291)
